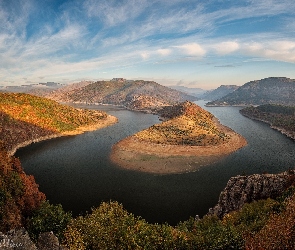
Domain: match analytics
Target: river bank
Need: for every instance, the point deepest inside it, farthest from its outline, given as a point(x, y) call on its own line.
point(108, 121)
point(289, 134)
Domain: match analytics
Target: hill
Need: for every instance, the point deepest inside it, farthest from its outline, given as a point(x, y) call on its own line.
point(135, 95)
point(188, 124)
point(41, 89)
point(272, 90)
point(220, 92)
point(197, 92)
point(25, 118)
point(190, 138)
point(281, 118)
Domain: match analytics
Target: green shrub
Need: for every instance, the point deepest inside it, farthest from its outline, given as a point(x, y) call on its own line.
point(48, 218)
point(110, 226)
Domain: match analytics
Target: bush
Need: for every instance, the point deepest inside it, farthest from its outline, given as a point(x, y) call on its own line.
point(48, 218)
point(110, 226)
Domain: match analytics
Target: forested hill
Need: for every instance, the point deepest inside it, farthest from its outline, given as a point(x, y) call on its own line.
point(25, 117)
point(281, 118)
point(136, 95)
point(272, 90)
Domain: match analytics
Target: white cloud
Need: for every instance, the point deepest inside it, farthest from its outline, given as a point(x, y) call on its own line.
point(281, 50)
point(228, 47)
point(192, 49)
point(164, 52)
point(114, 12)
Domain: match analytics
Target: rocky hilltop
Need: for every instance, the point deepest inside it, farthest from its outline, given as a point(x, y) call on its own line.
point(272, 90)
point(245, 189)
point(135, 95)
point(220, 92)
point(190, 137)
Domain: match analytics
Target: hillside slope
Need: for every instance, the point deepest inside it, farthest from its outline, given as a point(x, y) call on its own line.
point(281, 118)
point(136, 95)
point(24, 117)
point(220, 92)
point(272, 90)
point(188, 124)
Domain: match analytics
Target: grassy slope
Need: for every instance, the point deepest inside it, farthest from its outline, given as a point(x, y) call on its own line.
point(26, 117)
point(189, 124)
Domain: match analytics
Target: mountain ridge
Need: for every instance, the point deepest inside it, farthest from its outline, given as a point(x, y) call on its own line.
point(135, 95)
point(271, 90)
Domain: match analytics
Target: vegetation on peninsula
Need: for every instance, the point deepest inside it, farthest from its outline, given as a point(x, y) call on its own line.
point(187, 124)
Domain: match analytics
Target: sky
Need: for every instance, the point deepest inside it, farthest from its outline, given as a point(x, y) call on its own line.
point(192, 43)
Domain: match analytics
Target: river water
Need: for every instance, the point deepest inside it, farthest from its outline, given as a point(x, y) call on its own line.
point(75, 171)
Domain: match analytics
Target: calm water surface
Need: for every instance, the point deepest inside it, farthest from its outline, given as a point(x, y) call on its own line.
point(76, 171)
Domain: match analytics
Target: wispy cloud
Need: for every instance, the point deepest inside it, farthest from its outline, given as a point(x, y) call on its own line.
point(73, 39)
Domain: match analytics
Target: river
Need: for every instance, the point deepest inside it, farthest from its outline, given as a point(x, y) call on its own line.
point(75, 171)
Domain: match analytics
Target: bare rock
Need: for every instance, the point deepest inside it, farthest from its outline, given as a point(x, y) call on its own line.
point(245, 189)
point(16, 239)
point(48, 241)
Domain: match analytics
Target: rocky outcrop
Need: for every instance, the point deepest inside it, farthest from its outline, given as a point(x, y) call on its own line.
point(245, 189)
point(20, 239)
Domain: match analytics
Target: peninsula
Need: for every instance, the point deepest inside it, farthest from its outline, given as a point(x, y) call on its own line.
point(25, 119)
point(188, 138)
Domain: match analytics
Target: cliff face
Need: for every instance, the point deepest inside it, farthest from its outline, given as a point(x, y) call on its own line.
point(245, 189)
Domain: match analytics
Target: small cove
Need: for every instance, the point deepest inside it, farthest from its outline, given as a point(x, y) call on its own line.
point(76, 172)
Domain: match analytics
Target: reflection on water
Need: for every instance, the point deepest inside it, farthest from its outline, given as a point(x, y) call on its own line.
point(76, 172)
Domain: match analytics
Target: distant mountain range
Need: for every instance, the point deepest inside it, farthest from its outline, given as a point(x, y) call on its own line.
point(197, 92)
point(40, 89)
point(218, 93)
point(135, 95)
point(272, 90)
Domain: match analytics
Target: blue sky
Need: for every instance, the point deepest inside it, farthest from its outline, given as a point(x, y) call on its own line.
point(198, 43)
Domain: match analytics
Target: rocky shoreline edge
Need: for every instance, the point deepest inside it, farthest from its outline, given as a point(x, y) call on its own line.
point(289, 134)
point(108, 121)
point(134, 154)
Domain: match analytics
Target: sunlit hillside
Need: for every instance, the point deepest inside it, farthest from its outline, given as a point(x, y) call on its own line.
point(26, 117)
point(188, 124)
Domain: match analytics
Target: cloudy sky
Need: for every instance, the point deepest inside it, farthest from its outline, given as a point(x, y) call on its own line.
point(195, 43)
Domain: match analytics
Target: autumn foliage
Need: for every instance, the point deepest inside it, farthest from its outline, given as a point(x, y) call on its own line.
point(24, 117)
point(19, 194)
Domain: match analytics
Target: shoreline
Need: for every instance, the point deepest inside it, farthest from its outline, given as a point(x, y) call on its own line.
point(287, 133)
point(110, 120)
point(133, 154)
